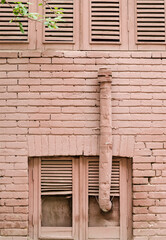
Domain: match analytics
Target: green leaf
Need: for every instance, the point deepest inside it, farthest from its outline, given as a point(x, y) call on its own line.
point(3, 1)
point(40, 4)
point(21, 27)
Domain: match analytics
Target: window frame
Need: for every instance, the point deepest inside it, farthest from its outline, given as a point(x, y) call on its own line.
point(30, 43)
point(36, 229)
point(62, 45)
point(132, 26)
point(80, 229)
point(87, 44)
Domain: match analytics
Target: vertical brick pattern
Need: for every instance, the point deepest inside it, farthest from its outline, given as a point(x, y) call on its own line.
point(51, 99)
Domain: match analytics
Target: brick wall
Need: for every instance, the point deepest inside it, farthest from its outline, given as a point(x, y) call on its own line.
point(53, 97)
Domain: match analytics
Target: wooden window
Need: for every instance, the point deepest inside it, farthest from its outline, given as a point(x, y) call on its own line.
point(103, 225)
point(11, 32)
point(105, 26)
point(56, 193)
point(64, 199)
point(150, 17)
point(53, 197)
point(105, 21)
point(113, 224)
point(88, 25)
point(147, 24)
point(66, 36)
point(10, 35)
point(65, 32)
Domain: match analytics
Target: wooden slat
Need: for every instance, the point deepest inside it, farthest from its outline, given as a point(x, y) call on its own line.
point(10, 32)
point(56, 177)
point(65, 31)
point(93, 178)
point(105, 13)
point(150, 21)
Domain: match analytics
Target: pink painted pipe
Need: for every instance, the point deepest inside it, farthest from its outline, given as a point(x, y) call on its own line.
point(105, 158)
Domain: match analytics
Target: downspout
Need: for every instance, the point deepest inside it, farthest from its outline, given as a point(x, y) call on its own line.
point(105, 158)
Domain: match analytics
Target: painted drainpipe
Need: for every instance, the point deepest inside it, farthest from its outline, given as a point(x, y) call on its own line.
point(105, 158)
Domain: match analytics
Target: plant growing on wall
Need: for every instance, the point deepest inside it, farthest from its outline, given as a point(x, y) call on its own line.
point(20, 10)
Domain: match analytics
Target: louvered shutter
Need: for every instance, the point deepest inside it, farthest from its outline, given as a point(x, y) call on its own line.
point(93, 178)
point(56, 177)
point(10, 32)
point(105, 21)
point(65, 32)
point(150, 21)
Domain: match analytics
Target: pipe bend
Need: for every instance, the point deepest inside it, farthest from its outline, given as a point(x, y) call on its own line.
point(105, 206)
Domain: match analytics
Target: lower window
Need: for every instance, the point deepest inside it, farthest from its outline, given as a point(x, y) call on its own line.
point(63, 199)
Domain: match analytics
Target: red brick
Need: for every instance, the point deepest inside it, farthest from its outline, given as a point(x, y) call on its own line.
point(144, 166)
point(30, 54)
point(74, 54)
point(62, 60)
point(7, 82)
point(18, 88)
point(14, 232)
point(141, 54)
point(144, 217)
point(157, 237)
point(5, 209)
point(140, 210)
point(3, 75)
point(144, 203)
point(18, 60)
point(14, 195)
point(29, 67)
point(140, 238)
point(140, 195)
point(17, 74)
point(88, 61)
point(73, 68)
point(8, 67)
point(40, 88)
point(16, 224)
point(50, 67)
point(2, 61)
point(29, 81)
point(16, 202)
point(157, 195)
point(40, 74)
point(39, 131)
point(21, 210)
point(8, 54)
point(146, 188)
point(52, 53)
point(96, 54)
point(144, 232)
point(40, 60)
point(140, 180)
point(157, 209)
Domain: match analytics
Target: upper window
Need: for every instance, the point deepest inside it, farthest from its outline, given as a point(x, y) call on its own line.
point(147, 19)
point(89, 25)
point(150, 19)
point(10, 35)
